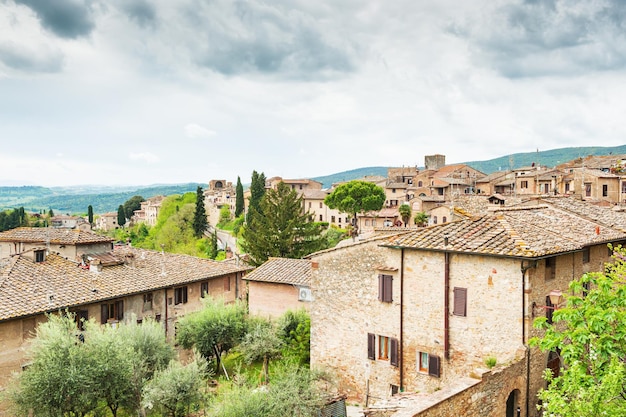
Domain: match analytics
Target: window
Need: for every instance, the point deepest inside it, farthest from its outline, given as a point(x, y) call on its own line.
point(309, 204)
point(40, 256)
point(383, 348)
point(524, 184)
point(385, 288)
point(367, 222)
point(81, 316)
point(321, 218)
point(428, 363)
point(444, 219)
point(587, 190)
point(332, 219)
point(320, 204)
point(339, 219)
point(373, 222)
point(567, 187)
point(605, 190)
point(393, 352)
point(371, 346)
point(420, 183)
point(550, 272)
point(434, 219)
point(147, 301)
point(112, 311)
point(586, 255)
point(226, 283)
point(393, 190)
point(180, 295)
point(204, 289)
point(460, 302)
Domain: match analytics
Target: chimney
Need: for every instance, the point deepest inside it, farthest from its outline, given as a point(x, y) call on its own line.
point(95, 265)
point(129, 260)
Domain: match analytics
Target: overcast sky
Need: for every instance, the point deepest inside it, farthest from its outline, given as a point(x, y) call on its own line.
point(170, 91)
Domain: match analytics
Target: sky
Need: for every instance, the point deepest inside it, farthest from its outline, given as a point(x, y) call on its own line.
point(139, 92)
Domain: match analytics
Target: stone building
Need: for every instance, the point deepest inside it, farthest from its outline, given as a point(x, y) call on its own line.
point(425, 309)
point(107, 221)
point(107, 286)
point(280, 284)
point(218, 194)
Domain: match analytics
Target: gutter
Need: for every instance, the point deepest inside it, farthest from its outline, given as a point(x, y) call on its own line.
point(524, 269)
point(446, 306)
point(401, 353)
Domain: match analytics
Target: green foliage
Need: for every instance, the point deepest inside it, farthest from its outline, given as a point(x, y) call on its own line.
point(590, 335)
point(261, 342)
point(405, 213)
point(175, 391)
point(90, 214)
point(216, 328)
point(280, 228)
point(295, 331)
point(356, 197)
point(121, 216)
point(239, 203)
point(333, 235)
point(212, 250)
point(238, 224)
point(491, 361)
point(421, 218)
point(257, 191)
point(200, 222)
point(10, 219)
point(224, 216)
point(132, 204)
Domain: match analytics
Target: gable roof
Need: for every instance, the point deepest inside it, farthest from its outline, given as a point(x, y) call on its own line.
point(604, 215)
point(527, 232)
point(28, 287)
point(283, 271)
point(52, 235)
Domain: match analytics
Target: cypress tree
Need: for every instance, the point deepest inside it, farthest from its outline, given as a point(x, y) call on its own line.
point(121, 216)
point(90, 214)
point(257, 191)
point(239, 203)
point(200, 223)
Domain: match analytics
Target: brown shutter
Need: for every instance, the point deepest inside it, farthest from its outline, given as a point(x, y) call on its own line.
point(381, 287)
point(104, 313)
point(120, 310)
point(393, 354)
point(184, 294)
point(433, 365)
point(460, 301)
point(388, 290)
point(371, 346)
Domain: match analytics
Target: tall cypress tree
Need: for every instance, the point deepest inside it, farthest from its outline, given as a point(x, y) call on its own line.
point(90, 214)
point(121, 216)
point(239, 203)
point(280, 228)
point(257, 191)
point(200, 222)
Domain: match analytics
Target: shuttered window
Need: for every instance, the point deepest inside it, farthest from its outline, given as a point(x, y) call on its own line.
point(204, 289)
point(460, 301)
point(112, 311)
point(433, 365)
point(385, 288)
point(393, 352)
point(371, 346)
point(180, 295)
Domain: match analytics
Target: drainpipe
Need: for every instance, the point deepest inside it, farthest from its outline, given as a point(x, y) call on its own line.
point(165, 291)
point(524, 269)
point(401, 355)
point(446, 302)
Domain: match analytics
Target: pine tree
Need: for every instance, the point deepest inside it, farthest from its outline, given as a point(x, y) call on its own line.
point(121, 216)
point(239, 203)
point(280, 228)
point(200, 223)
point(257, 191)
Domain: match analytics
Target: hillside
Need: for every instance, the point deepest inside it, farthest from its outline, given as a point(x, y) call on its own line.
point(105, 199)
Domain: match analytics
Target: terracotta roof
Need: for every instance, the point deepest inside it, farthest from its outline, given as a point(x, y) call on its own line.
point(28, 287)
point(52, 235)
point(315, 194)
point(604, 215)
point(283, 271)
point(518, 232)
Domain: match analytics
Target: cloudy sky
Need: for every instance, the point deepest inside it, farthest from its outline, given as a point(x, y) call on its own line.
point(163, 91)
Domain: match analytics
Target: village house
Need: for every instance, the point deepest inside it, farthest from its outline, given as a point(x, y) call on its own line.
point(69, 222)
point(107, 221)
point(148, 212)
point(108, 286)
point(280, 284)
point(426, 310)
point(218, 194)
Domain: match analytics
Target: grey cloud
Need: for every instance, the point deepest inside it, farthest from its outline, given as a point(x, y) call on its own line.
point(142, 11)
point(559, 37)
point(254, 37)
point(65, 18)
point(19, 58)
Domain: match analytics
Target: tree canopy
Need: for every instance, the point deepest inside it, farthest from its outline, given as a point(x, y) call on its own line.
point(356, 197)
point(281, 228)
point(405, 213)
point(132, 204)
point(239, 203)
point(589, 335)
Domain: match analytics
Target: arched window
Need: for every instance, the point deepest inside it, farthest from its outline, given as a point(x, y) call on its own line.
point(434, 219)
point(420, 183)
point(444, 220)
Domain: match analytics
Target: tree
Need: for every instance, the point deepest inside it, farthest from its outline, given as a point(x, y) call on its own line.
point(200, 222)
point(405, 213)
point(239, 203)
point(421, 219)
point(356, 197)
point(121, 216)
point(589, 334)
point(257, 191)
point(213, 249)
point(174, 390)
point(50, 213)
point(90, 214)
point(280, 228)
point(216, 328)
point(132, 204)
point(295, 331)
point(261, 342)
point(224, 215)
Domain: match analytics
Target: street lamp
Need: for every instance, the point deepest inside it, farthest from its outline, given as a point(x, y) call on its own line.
point(556, 298)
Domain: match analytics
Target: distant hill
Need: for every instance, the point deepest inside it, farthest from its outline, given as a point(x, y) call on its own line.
point(76, 199)
point(105, 199)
